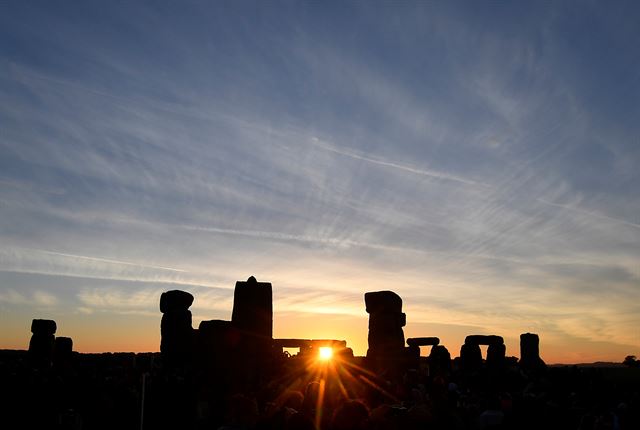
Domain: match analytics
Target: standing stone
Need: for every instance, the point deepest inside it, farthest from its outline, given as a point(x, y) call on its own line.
point(386, 320)
point(439, 360)
point(496, 355)
point(176, 343)
point(42, 342)
point(252, 316)
point(386, 351)
point(530, 351)
point(218, 343)
point(62, 351)
point(470, 357)
point(253, 308)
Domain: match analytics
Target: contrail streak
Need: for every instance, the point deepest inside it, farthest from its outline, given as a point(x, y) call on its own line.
point(593, 214)
point(107, 260)
point(422, 172)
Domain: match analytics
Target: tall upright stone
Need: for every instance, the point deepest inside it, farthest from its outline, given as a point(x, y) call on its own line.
point(252, 316)
point(386, 337)
point(530, 352)
point(176, 343)
point(496, 356)
point(253, 308)
point(439, 360)
point(42, 342)
point(470, 357)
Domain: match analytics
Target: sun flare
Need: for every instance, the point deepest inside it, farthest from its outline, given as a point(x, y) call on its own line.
point(325, 353)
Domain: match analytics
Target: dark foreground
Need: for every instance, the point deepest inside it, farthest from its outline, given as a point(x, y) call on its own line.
point(235, 375)
point(133, 391)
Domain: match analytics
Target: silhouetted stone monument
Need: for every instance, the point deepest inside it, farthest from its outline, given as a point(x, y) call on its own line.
point(386, 320)
point(63, 347)
point(253, 317)
point(423, 341)
point(439, 360)
point(176, 344)
point(496, 356)
point(62, 351)
point(42, 342)
point(175, 300)
point(471, 355)
point(386, 337)
point(217, 346)
point(253, 308)
point(309, 347)
point(530, 352)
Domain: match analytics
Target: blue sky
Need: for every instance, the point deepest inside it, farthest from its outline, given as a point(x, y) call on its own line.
point(480, 159)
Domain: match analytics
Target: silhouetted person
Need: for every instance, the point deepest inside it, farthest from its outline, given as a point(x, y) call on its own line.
point(351, 415)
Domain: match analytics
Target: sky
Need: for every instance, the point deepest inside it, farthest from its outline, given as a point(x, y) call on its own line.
point(480, 159)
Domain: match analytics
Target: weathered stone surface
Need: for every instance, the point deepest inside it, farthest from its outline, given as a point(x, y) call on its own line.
point(530, 351)
point(63, 345)
point(62, 350)
point(385, 330)
point(382, 301)
point(478, 339)
point(439, 360)
point(333, 343)
point(217, 338)
point(41, 349)
point(345, 354)
point(253, 308)
point(176, 322)
point(529, 346)
point(291, 343)
point(177, 334)
point(496, 355)
point(43, 326)
point(423, 341)
point(390, 339)
point(470, 356)
point(382, 321)
point(387, 353)
point(175, 300)
point(214, 326)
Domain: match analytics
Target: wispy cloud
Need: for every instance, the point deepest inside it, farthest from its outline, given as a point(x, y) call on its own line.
point(423, 172)
point(590, 213)
point(475, 164)
point(106, 260)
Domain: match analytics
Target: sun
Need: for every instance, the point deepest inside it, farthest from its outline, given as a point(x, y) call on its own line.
point(325, 353)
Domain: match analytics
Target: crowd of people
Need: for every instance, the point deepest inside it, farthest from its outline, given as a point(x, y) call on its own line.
point(135, 391)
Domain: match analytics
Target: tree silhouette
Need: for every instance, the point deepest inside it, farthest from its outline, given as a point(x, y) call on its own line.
point(630, 360)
